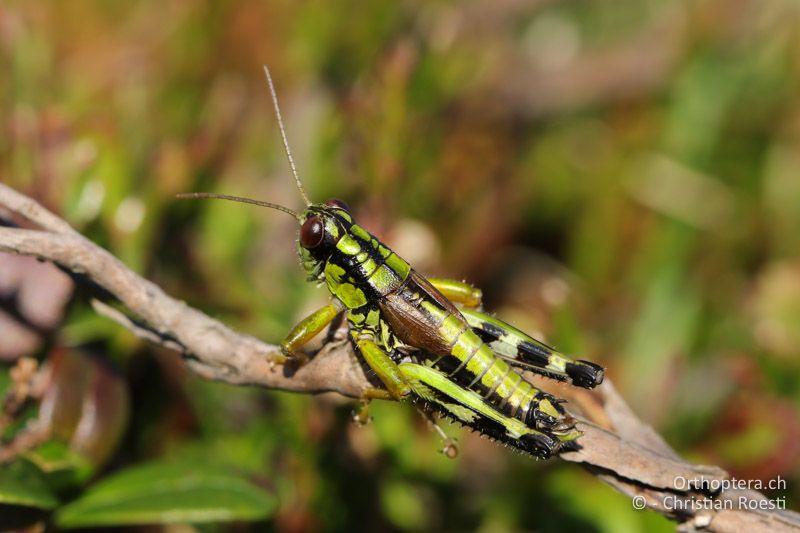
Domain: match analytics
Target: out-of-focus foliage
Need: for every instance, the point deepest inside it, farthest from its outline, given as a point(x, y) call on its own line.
point(167, 493)
point(22, 485)
point(620, 177)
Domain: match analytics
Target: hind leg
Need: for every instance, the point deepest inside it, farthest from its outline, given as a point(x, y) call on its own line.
point(524, 351)
point(469, 408)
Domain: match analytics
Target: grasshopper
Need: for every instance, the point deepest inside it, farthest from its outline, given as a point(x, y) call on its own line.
point(427, 340)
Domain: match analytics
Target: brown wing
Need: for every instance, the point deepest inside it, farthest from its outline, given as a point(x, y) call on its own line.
point(412, 324)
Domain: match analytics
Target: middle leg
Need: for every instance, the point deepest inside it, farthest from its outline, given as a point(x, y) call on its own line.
point(384, 367)
point(458, 292)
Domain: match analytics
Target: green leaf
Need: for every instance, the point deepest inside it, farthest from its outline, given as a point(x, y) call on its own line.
point(54, 455)
point(22, 484)
point(163, 493)
point(62, 466)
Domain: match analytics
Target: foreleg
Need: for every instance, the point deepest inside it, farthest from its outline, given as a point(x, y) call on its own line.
point(305, 330)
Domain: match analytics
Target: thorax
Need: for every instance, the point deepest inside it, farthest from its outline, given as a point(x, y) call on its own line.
point(362, 270)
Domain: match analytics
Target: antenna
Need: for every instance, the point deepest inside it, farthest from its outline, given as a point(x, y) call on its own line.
point(283, 135)
point(187, 195)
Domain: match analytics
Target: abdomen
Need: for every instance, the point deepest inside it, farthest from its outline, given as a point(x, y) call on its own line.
point(424, 319)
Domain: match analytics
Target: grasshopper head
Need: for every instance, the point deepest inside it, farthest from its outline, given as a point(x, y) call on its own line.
point(322, 225)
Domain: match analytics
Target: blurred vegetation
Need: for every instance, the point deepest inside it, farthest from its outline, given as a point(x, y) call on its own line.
point(620, 177)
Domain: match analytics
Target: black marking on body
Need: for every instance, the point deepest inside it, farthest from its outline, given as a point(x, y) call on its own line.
point(532, 352)
point(492, 330)
point(353, 268)
point(484, 336)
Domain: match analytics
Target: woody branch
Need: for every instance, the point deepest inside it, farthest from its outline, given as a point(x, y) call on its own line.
point(616, 446)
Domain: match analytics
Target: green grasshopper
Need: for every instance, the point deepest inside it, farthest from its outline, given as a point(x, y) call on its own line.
point(427, 340)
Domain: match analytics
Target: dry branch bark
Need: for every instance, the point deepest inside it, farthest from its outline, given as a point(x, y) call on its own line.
point(616, 446)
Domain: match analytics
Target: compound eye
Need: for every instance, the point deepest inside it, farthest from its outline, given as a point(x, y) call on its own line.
point(335, 202)
point(312, 232)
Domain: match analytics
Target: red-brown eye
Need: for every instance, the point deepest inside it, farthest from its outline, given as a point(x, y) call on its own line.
point(311, 232)
point(335, 202)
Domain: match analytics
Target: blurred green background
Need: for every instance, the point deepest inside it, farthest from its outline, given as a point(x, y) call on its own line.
point(621, 178)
